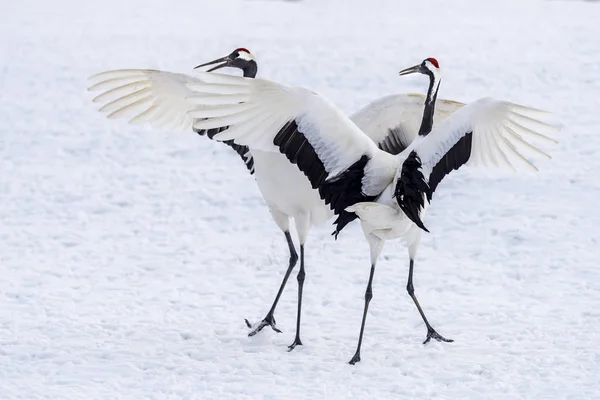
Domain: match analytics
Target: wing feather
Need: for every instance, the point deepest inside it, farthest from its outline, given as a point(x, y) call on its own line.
point(119, 91)
point(119, 73)
point(126, 100)
point(145, 116)
point(511, 134)
point(132, 109)
point(526, 131)
point(158, 98)
point(479, 133)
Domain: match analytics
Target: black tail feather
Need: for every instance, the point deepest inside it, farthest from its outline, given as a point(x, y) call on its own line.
point(345, 190)
point(411, 190)
point(339, 192)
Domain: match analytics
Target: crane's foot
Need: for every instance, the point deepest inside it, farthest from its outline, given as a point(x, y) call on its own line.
point(297, 342)
point(267, 321)
point(355, 358)
point(432, 334)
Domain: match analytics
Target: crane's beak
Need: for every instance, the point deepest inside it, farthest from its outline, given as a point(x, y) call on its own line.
point(412, 70)
point(225, 60)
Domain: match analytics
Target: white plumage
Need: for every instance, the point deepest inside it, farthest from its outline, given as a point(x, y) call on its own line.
point(146, 96)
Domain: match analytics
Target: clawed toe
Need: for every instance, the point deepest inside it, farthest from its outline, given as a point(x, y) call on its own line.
point(297, 342)
point(267, 321)
point(355, 359)
point(432, 334)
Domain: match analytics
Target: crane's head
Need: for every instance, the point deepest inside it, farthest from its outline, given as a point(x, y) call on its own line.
point(240, 58)
point(429, 66)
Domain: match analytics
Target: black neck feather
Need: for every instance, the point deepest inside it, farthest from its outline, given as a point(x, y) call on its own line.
point(250, 69)
point(427, 122)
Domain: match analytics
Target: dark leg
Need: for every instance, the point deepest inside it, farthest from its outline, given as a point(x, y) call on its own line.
point(269, 320)
point(301, 276)
point(431, 333)
point(368, 297)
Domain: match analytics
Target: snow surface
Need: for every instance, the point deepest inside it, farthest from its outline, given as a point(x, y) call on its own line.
point(130, 257)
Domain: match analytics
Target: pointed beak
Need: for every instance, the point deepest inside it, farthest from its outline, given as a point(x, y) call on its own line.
point(225, 60)
point(412, 70)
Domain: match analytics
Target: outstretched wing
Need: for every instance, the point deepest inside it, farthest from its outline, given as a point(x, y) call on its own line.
point(393, 122)
point(158, 98)
point(339, 160)
point(487, 132)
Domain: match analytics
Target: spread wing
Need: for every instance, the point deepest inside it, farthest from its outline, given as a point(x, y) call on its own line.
point(489, 133)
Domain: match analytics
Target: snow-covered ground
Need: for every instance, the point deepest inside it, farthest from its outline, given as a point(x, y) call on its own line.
point(129, 257)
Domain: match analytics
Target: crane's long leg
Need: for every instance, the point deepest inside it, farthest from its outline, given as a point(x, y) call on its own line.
point(431, 333)
point(269, 319)
point(376, 246)
point(302, 226)
point(368, 297)
point(300, 277)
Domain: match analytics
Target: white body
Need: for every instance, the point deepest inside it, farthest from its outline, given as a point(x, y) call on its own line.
point(288, 192)
point(383, 220)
